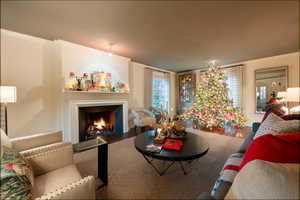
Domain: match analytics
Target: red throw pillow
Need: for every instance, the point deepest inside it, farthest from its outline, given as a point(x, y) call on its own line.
point(274, 148)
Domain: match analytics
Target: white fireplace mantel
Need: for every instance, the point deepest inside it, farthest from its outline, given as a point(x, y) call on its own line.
point(71, 132)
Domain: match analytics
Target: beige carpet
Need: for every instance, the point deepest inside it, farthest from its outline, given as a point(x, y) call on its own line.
point(131, 177)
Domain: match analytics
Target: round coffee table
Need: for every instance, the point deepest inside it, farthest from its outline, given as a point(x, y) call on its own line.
point(195, 146)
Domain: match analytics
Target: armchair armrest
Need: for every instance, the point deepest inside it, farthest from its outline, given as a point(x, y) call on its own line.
point(82, 189)
point(43, 161)
point(32, 141)
point(149, 113)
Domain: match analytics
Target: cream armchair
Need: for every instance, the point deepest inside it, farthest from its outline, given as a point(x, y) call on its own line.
point(140, 117)
point(55, 174)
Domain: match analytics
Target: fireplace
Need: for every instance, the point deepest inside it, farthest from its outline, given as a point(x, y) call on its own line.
point(99, 120)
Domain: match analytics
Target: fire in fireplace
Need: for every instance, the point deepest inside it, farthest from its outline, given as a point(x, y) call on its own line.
point(99, 120)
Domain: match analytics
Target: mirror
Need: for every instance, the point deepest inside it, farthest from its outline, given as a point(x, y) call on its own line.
point(268, 82)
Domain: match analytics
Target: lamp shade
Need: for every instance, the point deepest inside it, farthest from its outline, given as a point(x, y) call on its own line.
point(281, 94)
point(8, 94)
point(293, 95)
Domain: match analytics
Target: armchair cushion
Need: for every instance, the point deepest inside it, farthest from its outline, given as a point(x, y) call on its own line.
point(46, 161)
point(37, 140)
point(43, 149)
point(56, 179)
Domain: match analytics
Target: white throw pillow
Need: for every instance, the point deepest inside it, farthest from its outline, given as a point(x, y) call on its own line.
point(266, 180)
point(275, 125)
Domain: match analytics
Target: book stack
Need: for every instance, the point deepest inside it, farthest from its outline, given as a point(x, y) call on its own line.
point(173, 144)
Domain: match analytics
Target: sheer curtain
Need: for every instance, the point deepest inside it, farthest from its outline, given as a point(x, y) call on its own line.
point(148, 88)
point(161, 90)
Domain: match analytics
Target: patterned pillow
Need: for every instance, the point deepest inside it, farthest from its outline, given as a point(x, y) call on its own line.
point(275, 125)
point(16, 176)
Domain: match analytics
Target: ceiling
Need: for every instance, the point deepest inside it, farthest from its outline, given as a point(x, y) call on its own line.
point(174, 35)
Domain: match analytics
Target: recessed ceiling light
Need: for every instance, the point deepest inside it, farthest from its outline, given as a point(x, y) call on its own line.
point(109, 53)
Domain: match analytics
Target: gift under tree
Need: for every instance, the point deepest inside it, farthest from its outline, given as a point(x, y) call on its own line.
point(212, 107)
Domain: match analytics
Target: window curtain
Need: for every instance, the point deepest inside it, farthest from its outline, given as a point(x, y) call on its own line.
point(160, 90)
point(148, 88)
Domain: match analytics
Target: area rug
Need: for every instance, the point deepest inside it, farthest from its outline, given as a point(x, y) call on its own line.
point(131, 177)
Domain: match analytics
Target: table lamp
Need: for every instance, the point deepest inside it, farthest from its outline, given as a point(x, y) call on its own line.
point(282, 95)
point(293, 96)
point(8, 94)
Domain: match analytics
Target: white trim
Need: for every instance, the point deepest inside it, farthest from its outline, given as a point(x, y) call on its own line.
point(74, 105)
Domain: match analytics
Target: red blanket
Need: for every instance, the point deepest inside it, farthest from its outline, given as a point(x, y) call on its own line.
point(274, 148)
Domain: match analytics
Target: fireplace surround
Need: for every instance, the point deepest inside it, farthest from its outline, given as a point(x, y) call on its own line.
point(113, 110)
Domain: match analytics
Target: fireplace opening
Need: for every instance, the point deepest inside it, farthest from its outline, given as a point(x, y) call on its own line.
point(100, 120)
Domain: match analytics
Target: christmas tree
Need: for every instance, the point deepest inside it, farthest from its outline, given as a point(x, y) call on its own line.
point(212, 108)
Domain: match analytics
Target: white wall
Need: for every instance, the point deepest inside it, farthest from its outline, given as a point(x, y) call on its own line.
point(81, 59)
point(37, 68)
point(27, 63)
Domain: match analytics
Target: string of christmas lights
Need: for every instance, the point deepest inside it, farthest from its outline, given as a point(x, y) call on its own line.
point(212, 108)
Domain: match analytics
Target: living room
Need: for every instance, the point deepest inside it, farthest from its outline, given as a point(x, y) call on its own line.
point(96, 95)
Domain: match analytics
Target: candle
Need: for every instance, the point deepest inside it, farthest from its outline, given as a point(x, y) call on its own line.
point(158, 130)
point(167, 106)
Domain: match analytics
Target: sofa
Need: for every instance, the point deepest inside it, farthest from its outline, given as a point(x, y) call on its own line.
point(256, 176)
point(55, 174)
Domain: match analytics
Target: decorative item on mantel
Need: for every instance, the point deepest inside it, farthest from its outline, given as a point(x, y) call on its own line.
point(95, 82)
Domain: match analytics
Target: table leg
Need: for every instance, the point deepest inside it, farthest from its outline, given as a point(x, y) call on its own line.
point(190, 166)
point(103, 164)
point(181, 165)
point(155, 168)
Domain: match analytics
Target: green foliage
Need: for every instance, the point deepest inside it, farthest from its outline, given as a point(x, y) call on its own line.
point(212, 107)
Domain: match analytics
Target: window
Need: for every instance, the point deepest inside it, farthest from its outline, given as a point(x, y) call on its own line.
point(261, 98)
point(234, 82)
point(160, 90)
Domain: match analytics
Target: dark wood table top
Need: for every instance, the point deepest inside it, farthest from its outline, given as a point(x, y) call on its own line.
point(195, 146)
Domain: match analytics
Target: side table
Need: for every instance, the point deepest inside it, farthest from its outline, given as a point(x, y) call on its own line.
point(102, 146)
